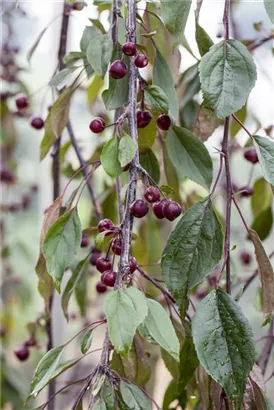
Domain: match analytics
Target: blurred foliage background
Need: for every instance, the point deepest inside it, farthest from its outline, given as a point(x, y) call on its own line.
point(29, 191)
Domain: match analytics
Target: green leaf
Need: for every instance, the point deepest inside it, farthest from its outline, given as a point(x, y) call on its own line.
point(147, 135)
point(125, 310)
point(189, 156)
point(189, 85)
point(262, 196)
point(188, 358)
point(99, 404)
point(203, 40)
point(72, 57)
point(175, 14)
point(265, 150)
point(110, 158)
point(269, 8)
point(63, 366)
point(227, 74)
point(133, 397)
point(88, 34)
point(61, 79)
point(136, 366)
point(117, 93)
point(174, 393)
point(223, 342)
point(263, 222)
point(205, 123)
point(99, 53)
point(193, 249)
point(161, 329)
point(266, 274)
point(163, 78)
point(45, 370)
point(79, 272)
point(61, 244)
point(149, 161)
point(107, 394)
point(156, 98)
point(94, 88)
point(56, 120)
point(126, 150)
point(81, 292)
point(86, 341)
point(102, 239)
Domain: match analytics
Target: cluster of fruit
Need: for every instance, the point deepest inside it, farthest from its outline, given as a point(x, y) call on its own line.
point(22, 102)
point(162, 208)
point(118, 70)
point(103, 263)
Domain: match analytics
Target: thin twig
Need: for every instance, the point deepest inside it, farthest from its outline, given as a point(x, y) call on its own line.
point(242, 125)
point(96, 205)
point(261, 42)
point(266, 351)
point(56, 181)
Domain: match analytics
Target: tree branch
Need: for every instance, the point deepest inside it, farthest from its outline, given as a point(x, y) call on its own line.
point(266, 351)
point(56, 181)
point(96, 205)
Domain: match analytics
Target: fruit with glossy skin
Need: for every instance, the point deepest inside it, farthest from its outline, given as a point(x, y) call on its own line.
point(105, 225)
point(22, 352)
point(139, 208)
point(6, 175)
point(143, 118)
point(118, 69)
point(103, 264)
point(132, 264)
point(95, 255)
point(21, 102)
point(250, 155)
point(141, 61)
point(246, 191)
point(97, 125)
point(171, 210)
point(129, 49)
point(164, 122)
point(37, 123)
point(116, 246)
point(245, 257)
point(108, 278)
point(100, 287)
point(157, 208)
point(84, 241)
point(152, 194)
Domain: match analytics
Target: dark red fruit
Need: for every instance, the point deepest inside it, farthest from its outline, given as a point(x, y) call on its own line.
point(116, 246)
point(118, 69)
point(157, 208)
point(97, 125)
point(95, 255)
point(129, 49)
point(108, 278)
point(141, 61)
point(171, 210)
point(3, 331)
point(152, 194)
point(100, 287)
point(132, 264)
point(212, 279)
point(14, 208)
point(21, 102)
point(126, 168)
point(251, 155)
point(6, 175)
point(30, 342)
point(105, 225)
point(34, 188)
point(37, 123)
point(201, 294)
point(26, 201)
point(103, 264)
point(139, 208)
point(245, 257)
point(246, 191)
point(22, 352)
point(78, 5)
point(164, 122)
point(84, 241)
point(143, 118)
